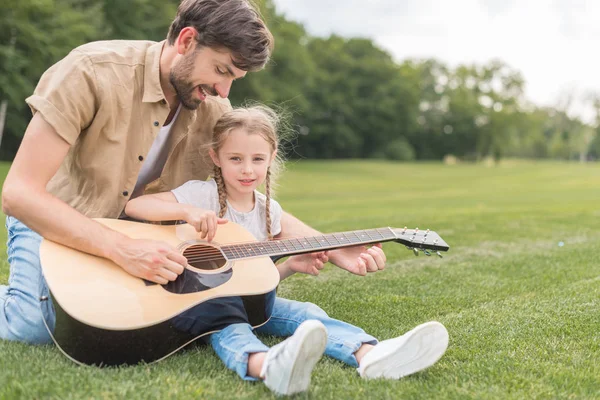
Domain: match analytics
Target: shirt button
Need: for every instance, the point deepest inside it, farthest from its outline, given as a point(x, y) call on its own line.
point(141, 158)
point(156, 123)
point(125, 193)
point(163, 102)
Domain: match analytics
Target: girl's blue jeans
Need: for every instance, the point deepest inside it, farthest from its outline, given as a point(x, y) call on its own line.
point(236, 342)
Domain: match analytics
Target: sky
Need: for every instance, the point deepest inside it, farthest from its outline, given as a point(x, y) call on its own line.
point(553, 43)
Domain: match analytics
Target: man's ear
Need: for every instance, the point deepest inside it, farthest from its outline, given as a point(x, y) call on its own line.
point(214, 158)
point(186, 40)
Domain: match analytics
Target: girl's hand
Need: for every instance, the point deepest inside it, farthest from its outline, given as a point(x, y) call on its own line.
point(359, 260)
point(310, 263)
point(204, 221)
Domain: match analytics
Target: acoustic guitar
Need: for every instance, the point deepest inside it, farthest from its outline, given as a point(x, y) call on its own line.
point(104, 316)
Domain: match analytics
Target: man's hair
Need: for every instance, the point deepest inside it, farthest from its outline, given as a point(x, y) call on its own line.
point(235, 25)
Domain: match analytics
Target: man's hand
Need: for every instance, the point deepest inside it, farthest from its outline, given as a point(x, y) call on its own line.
point(149, 259)
point(310, 263)
point(204, 221)
point(359, 260)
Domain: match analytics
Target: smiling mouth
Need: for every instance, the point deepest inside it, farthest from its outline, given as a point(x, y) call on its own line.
point(207, 91)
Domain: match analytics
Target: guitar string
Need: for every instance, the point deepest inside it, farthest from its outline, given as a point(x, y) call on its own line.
point(208, 253)
point(308, 238)
point(216, 255)
point(213, 254)
point(209, 250)
point(366, 231)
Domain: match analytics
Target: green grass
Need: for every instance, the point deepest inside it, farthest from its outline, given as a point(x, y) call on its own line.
point(522, 311)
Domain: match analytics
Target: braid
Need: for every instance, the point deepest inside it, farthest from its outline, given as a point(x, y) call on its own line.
point(268, 203)
point(222, 191)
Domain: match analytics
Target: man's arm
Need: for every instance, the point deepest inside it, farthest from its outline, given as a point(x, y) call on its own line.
point(358, 260)
point(24, 196)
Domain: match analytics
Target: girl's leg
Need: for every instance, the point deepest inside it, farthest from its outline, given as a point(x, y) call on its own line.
point(234, 345)
point(343, 339)
point(285, 368)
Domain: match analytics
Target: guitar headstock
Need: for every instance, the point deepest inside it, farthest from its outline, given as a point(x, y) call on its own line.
point(424, 240)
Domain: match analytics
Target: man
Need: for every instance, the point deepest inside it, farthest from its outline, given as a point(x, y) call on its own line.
point(116, 119)
point(113, 120)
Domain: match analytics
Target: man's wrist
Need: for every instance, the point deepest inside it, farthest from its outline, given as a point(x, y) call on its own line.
point(112, 249)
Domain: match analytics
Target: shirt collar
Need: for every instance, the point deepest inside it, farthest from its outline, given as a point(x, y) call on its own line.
point(152, 89)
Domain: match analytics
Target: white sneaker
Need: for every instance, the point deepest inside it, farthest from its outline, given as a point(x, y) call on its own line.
point(288, 365)
point(414, 351)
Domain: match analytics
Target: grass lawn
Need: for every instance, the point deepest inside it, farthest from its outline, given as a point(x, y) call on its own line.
point(523, 312)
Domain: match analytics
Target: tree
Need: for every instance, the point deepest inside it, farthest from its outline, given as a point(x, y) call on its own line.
point(33, 35)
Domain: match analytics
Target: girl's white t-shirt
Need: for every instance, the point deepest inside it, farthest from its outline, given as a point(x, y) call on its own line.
point(155, 159)
point(204, 194)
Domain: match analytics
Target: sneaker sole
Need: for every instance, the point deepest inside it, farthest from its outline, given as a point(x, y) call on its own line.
point(423, 347)
point(313, 336)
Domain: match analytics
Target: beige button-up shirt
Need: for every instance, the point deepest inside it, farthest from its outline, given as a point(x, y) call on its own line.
point(105, 100)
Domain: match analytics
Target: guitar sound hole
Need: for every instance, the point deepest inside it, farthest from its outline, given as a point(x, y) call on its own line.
point(204, 257)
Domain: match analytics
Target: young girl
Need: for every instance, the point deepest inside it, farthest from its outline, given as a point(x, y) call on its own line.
point(244, 153)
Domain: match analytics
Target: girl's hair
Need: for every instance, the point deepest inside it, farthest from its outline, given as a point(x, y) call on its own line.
point(257, 119)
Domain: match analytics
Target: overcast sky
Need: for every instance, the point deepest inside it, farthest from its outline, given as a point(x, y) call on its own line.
point(554, 43)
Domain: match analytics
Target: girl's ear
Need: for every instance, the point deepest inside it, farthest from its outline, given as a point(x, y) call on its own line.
point(214, 157)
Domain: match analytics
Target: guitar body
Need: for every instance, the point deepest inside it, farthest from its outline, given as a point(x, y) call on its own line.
point(104, 316)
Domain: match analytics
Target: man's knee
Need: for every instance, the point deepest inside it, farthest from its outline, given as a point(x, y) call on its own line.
point(38, 333)
point(27, 327)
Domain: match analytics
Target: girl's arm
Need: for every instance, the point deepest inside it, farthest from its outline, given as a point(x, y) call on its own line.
point(156, 207)
point(310, 263)
point(165, 207)
point(284, 270)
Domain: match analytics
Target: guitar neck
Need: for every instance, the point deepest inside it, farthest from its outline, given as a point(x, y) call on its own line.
point(289, 247)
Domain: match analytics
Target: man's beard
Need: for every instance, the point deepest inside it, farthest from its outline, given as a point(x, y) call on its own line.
point(184, 89)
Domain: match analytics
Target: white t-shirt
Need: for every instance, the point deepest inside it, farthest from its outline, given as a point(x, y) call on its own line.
point(204, 194)
point(155, 159)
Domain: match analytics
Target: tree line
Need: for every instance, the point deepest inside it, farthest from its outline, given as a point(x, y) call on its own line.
point(347, 97)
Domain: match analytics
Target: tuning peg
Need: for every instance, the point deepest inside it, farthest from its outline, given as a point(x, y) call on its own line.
point(416, 251)
point(426, 252)
point(439, 254)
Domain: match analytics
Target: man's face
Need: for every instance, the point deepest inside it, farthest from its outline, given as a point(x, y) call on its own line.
point(203, 72)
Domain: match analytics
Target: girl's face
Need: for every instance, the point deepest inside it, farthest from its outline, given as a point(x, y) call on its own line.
point(243, 159)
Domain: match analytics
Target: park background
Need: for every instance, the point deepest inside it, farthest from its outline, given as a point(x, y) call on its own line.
point(511, 185)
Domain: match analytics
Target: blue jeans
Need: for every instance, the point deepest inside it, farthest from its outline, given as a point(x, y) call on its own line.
point(22, 313)
point(236, 342)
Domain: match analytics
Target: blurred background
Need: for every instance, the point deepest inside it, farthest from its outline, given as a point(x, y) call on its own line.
point(468, 80)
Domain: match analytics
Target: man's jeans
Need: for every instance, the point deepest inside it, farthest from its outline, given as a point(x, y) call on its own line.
point(234, 343)
point(22, 313)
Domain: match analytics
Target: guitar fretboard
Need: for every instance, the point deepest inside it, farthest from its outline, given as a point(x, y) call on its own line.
point(307, 244)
